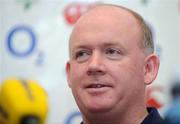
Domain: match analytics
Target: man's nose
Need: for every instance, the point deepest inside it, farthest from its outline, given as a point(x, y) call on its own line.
point(96, 65)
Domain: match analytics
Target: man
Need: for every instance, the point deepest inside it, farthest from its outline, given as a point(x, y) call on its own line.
point(111, 62)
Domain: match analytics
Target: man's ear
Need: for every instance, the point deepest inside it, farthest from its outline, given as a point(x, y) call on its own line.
point(151, 68)
point(68, 66)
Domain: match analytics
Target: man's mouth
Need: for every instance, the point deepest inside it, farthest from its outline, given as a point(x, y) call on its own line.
point(96, 86)
point(95, 89)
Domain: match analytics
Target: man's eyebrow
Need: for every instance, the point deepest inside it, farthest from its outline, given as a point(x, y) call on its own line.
point(82, 46)
point(105, 44)
point(114, 44)
point(78, 47)
point(110, 44)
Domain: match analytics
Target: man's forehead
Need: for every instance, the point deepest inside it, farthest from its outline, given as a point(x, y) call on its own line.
point(104, 11)
point(108, 16)
point(104, 14)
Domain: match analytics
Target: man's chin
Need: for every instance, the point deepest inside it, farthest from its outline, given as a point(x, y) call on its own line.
point(99, 109)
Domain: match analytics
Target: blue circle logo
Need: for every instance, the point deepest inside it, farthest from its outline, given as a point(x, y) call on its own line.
point(21, 29)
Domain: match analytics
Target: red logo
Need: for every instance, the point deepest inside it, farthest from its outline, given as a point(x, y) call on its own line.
point(73, 11)
point(152, 100)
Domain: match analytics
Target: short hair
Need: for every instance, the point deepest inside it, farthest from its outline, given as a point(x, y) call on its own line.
point(147, 44)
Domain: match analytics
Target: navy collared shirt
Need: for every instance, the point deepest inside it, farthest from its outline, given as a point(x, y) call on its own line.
point(152, 118)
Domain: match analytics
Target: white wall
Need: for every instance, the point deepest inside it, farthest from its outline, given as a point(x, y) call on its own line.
point(46, 62)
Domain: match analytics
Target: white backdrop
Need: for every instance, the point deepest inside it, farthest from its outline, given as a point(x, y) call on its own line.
point(34, 39)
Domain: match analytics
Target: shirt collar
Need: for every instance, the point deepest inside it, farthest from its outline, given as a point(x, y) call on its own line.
point(152, 118)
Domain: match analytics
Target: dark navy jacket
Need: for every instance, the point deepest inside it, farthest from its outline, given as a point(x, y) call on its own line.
point(152, 118)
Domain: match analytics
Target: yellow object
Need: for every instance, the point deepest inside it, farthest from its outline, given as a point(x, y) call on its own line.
point(22, 102)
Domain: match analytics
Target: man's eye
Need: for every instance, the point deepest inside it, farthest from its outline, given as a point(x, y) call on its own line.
point(113, 53)
point(82, 55)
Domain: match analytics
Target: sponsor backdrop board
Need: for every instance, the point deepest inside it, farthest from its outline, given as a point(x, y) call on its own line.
point(34, 45)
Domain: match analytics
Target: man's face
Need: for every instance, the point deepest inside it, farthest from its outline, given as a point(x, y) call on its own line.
point(106, 67)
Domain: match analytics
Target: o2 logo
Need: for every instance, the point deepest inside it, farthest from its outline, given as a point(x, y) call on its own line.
point(11, 42)
point(73, 117)
point(22, 42)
